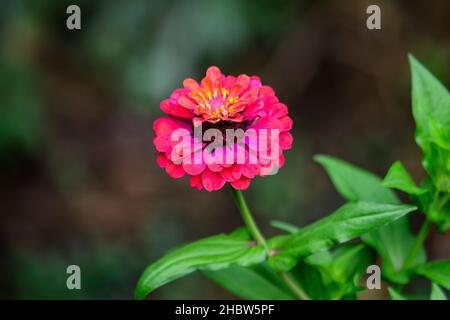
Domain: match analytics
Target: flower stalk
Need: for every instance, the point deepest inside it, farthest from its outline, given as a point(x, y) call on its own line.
point(258, 236)
point(248, 219)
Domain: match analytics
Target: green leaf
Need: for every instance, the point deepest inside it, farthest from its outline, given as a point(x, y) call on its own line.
point(213, 253)
point(256, 282)
point(437, 162)
point(284, 226)
point(310, 281)
point(395, 295)
point(437, 209)
point(398, 178)
point(431, 105)
point(341, 264)
point(348, 222)
point(431, 111)
point(437, 271)
point(356, 184)
point(437, 293)
point(393, 241)
point(342, 269)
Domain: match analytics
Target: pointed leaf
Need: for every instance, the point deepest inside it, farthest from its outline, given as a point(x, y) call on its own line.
point(431, 106)
point(342, 269)
point(395, 295)
point(437, 271)
point(255, 282)
point(284, 226)
point(310, 281)
point(356, 184)
point(348, 222)
point(393, 241)
point(431, 110)
point(213, 253)
point(398, 178)
point(437, 293)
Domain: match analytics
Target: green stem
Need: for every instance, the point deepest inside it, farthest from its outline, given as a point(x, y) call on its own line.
point(295, 287)
point(258, 236)
point(444, 201)
point(248, 219)
point(417, 244)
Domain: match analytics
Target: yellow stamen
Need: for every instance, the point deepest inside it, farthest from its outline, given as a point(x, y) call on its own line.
point(233, 99)
point(225, 93)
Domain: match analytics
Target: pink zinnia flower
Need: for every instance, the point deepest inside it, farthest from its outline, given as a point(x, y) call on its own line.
point(223, 103)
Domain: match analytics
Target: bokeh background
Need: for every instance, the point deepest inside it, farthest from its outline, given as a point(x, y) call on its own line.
point(79, 182)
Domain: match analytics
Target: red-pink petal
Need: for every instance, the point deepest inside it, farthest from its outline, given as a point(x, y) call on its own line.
point(281, 110)
point(286, 123)
point(249, 170)
point(174, 170)
point(194, 169)
point(241, 184)
point(229, 82)
point(190, 84)
point(165, 126)
point(286, 140)
point(214, 74)
point(196, 182)
point(186, 102)
point(255, 82)
point(161, 144)
point(175, 110)
point(231, 173)
point(212, 181)
point(162, 160)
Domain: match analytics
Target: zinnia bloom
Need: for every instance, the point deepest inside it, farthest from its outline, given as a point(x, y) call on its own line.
point(222, 103)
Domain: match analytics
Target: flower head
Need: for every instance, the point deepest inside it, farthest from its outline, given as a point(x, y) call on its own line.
point(223, 129)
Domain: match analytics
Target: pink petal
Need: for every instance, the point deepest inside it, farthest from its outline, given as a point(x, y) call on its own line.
point(286, 140)
point(162, 160)
point(241, 184)
point(186, 102)
point(190, 84)
point(215, 167)
point(286, 123)
point(281, 110)
point(214, 74)
point(166, 125)
point(174, 170)
point(175, 110)
point(212, 181)
point(255, 82)
point(161, 144)
point(232, 173)
point(250, 170)
point(196, 182)
point(229, 82)
point(194, 169)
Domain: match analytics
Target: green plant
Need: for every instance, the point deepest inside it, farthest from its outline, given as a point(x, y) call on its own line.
point(316, 261)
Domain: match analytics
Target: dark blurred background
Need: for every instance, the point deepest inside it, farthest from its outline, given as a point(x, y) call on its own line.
point(79, 182)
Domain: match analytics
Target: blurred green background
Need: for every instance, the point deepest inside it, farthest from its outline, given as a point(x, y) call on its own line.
point(79, 182)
